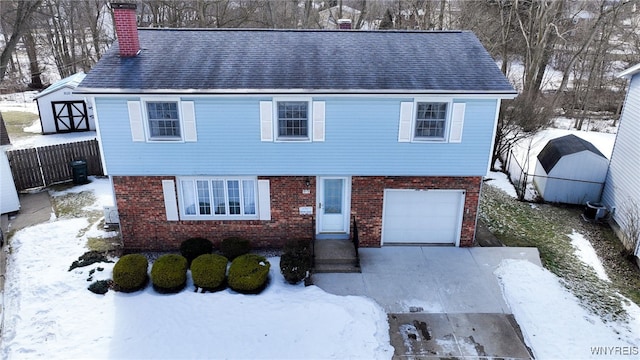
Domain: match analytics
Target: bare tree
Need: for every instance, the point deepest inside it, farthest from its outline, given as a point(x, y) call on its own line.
point(630, 228)
point(16, 15)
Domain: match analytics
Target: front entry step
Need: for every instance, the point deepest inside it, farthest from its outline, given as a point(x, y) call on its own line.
point(335, 256)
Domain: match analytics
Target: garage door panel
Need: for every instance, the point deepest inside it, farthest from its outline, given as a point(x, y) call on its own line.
point(422, 217)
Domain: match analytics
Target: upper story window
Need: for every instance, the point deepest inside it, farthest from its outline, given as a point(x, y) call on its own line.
point(293, 120)
point(435, 119)
point(431, 120)
point(164, 121)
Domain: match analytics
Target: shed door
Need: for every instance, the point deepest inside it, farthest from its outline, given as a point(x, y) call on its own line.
point(422, 216)
point(70, 116)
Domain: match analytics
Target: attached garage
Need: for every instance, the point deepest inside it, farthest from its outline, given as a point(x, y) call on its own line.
point(431, 217)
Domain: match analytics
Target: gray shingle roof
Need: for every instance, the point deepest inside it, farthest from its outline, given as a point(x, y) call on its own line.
point(313, 60)
point(565, 145)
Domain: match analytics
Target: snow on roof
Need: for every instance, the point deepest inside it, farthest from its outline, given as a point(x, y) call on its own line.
point(69, 82)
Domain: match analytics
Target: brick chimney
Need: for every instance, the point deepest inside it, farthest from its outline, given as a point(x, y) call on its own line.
point(344, 24)
point(124, 15)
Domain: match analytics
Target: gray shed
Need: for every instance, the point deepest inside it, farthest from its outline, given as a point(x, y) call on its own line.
point(570, 170)
point(62, 111)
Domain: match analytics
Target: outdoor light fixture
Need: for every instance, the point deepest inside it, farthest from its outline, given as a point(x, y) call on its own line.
point(307, 181)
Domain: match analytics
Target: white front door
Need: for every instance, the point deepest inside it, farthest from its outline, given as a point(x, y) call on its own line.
point(333, 202)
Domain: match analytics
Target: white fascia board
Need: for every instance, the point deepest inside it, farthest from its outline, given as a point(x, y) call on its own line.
point(279, 92)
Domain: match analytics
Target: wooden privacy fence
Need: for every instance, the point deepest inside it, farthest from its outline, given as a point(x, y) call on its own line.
point(43, 166)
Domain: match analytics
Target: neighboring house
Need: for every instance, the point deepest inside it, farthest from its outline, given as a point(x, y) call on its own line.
point(262, 133)
point(332, 18)
point(621, 193)
point(570, 170)
point(62, 111)
point(9, 200)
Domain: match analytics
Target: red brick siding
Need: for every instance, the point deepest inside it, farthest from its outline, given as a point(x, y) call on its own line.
point(127, 30)
point(367, 195)
point(144, 226)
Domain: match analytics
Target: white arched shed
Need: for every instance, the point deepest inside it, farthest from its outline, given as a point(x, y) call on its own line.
point(570, 170)
point(62, 111)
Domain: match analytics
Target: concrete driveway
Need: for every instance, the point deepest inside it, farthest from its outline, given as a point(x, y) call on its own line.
point(441, 301)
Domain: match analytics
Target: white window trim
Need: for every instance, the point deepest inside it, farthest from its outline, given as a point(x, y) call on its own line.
point(213, 216)
point(309, 101)
point(447, 129)
point(145, 119)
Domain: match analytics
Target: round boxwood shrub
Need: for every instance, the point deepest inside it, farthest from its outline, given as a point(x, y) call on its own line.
point(233, 247)
point(209, 272)
point(169, 273)
point(130, 273)
point(249, 273)
point(295, 262)
point(194, 247)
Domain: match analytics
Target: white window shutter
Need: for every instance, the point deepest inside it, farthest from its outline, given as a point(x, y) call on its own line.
point(457, 122)
point(266, 120)
point(406, 117)
point(318, 121)
point(170, 204)
point(135, 120)
point(189, 121)
point(264, 200)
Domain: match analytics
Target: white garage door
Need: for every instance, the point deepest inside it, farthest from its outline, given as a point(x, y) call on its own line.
point(422, 217)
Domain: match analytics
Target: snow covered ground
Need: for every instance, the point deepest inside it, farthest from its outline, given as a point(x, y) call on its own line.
point(553, 323)
point(50, 313)
point(24, 102)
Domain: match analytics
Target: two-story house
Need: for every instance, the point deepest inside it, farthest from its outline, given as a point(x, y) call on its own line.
point(262, 133)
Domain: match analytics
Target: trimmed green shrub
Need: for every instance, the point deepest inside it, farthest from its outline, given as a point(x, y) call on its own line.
point(295, 262)
point(100, 287)
point(130, 273)
point(209, 272)
point(169, 273)
point(194, 247)
point(249, 273)
point(233, 247)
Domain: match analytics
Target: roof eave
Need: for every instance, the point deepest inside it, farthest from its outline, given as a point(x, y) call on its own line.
point(630, 71)
point(502, 94)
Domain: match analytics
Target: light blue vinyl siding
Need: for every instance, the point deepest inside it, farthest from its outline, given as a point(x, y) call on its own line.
point(361, 138)
point(623, 178)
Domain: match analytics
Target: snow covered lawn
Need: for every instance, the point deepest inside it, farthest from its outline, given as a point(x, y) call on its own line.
point(51, 314)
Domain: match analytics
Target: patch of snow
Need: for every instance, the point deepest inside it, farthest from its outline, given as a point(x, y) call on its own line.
point(501, 181)
point(35, 128)
point(50, 313)
point(587, 254)
point(101, 188)
point(38, 140)
point(553, 323)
